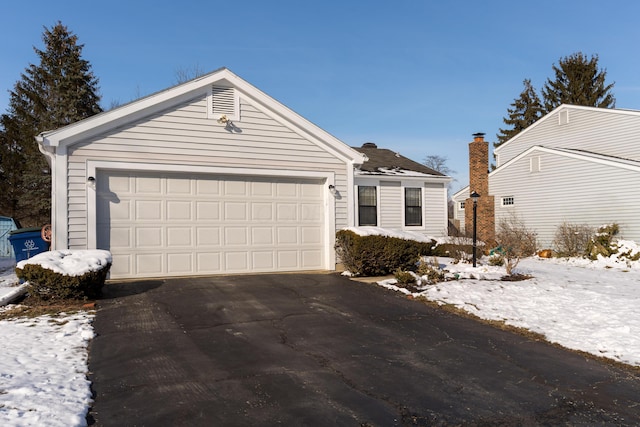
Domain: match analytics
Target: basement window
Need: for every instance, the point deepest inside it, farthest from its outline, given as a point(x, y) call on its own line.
point(508, 201)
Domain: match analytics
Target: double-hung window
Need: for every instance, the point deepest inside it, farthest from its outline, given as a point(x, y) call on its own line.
point(367, 206)
point(412, 206)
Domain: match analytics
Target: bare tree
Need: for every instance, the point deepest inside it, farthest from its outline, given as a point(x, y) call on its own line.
point(438, 163)
point(183, 74)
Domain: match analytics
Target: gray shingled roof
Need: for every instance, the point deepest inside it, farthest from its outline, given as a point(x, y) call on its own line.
point(381, 158)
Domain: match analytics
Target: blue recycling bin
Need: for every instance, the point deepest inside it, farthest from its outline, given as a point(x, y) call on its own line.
point(27, 242)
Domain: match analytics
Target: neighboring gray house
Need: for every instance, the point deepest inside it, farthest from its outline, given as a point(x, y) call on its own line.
point(210, 176)
point(577, 164)
point(397, 193)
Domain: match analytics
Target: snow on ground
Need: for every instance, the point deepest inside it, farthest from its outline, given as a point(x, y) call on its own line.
point(43, 379)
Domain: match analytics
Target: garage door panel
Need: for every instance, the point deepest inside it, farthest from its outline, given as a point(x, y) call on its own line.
point(287, 211)
point(311, 235)
point(287, 235)
point(236, 261)
point(159, 224)
point(235, 211)
point(179, 236)
point(208, 262)
point(207, 211)
point(148, 210)
point(179, 263)
point(207, 236)
point(261, 211)
point(288, 259)
point(235, 188)
point(148, 264)
point(263, 260)
point(179, 211)
point(235, 236)
point(148, 185)
point(262, 236)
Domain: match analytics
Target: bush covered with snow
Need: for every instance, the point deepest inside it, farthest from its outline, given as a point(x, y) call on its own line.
point(60, 275)
point(378, 255)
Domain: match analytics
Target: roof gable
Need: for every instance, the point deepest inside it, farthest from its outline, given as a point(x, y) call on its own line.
point(160, 101)
point(554, 115)
point(381, 161)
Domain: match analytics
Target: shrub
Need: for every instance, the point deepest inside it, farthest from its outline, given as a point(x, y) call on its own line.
point(459, 248)
point(378, 255)
point(572, 240)
point(47, 285)
point(603, 242)
point(404, 277)
point(517, 241)
point(496, 260)
point(430, 270)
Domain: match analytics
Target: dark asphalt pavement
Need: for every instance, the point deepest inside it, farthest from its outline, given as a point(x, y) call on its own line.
point(321, 350)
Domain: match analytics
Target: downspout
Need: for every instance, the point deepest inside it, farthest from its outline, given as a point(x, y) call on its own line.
point(49, 154)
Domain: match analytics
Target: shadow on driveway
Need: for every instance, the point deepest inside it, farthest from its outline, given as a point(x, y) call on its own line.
point(319, 349)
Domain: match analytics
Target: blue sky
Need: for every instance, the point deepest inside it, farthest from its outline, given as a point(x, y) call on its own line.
point(416, 76)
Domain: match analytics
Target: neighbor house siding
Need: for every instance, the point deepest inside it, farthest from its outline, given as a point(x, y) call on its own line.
point(184, 135)
point(612, 132)
point(563, 191)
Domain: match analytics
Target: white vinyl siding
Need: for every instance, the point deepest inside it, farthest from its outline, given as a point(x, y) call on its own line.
point(605, 131)
point(185, 135)
point(562, 191)
point(390, 204)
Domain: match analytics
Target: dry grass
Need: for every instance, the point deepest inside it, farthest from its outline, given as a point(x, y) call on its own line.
point(31, 308)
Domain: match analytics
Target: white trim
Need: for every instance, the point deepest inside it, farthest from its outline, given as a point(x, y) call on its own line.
point(423, 206)
point(329, 200)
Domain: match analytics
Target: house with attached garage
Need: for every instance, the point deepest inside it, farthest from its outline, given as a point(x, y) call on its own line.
point(210, 176)
point(576, 165)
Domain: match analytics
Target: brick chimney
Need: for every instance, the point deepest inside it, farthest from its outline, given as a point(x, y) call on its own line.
point(479, 182)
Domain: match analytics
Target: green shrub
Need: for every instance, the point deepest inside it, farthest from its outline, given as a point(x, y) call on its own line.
point(47, 285)
point(603, 242)
point(378, 255)
point(404, 277)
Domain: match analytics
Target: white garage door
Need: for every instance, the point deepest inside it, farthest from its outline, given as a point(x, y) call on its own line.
point(176, 224)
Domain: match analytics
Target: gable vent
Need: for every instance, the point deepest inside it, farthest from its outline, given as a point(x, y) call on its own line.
point(223, 101)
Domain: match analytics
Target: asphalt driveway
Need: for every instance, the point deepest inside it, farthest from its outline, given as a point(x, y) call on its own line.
point(319, 349)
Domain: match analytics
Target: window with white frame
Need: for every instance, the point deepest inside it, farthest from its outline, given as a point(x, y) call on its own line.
point(508, 201)
point(367, 206)
point(461, 205)
point(412, 206)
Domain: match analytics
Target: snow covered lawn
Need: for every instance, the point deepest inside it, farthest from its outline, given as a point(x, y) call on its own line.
point(43, 380)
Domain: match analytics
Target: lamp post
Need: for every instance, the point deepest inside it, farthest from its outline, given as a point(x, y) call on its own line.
point(475, 196)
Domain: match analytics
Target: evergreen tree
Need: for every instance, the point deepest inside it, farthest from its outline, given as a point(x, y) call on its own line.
point(61, 90)
point(525, 111)
point(578, 81)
